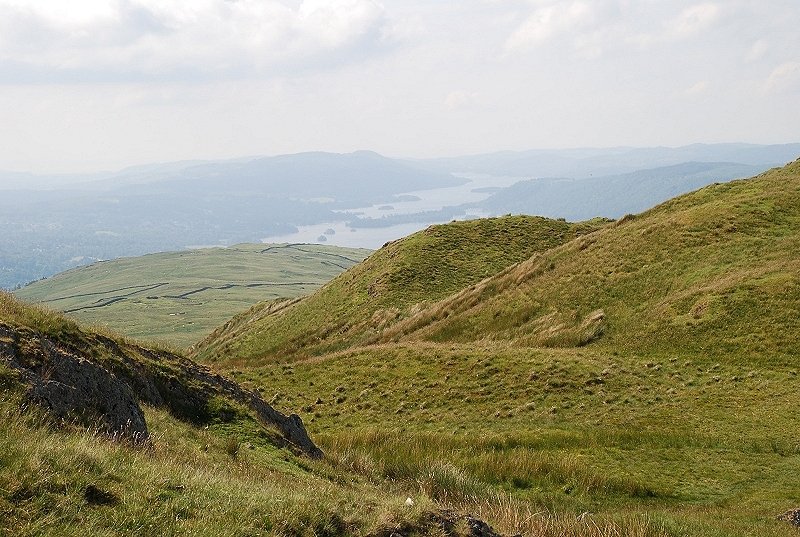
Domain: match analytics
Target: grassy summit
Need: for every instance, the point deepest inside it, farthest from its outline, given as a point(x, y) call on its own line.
point(392, 284)
point(714, 272)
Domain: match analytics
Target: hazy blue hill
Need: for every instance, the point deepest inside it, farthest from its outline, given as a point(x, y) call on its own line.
point(596, 162)
point(608, 196)
point(344, 180)
point(172, 206)
point(611, 196)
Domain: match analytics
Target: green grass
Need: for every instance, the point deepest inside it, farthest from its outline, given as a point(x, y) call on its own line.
point(76, 483)
point(635, 379)
point(187, 484)
point(180, 297)
point(646, 367)
point(714, 272)
point(392, 284)
point(221, 475)
point(703, 447)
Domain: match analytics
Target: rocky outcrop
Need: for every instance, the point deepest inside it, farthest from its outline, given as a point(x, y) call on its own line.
point(99, 381)
point(73, 388)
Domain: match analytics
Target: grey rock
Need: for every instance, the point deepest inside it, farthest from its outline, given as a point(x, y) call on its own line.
point(73, 388)
point(102, 381)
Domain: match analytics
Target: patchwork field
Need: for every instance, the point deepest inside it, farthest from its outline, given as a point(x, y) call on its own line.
point(179, 297)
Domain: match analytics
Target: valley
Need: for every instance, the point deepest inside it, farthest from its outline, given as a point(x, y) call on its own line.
point(627, 377)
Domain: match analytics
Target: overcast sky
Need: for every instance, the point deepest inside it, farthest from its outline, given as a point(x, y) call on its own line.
point(101, 84)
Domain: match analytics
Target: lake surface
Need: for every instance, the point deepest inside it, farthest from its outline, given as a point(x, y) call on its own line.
point(428, 200)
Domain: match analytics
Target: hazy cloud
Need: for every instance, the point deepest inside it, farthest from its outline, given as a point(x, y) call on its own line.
point(757, 51)
point(697, 88)
point(95, 84)
point(549, 21)
point(785, 77)
point(459, 99)
point(694, 19)
point(43, 40)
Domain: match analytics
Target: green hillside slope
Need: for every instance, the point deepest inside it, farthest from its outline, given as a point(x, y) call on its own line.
point(647, 367)
point(714, 272)
point(393, 283)
point(212, 459)
point(180, 297)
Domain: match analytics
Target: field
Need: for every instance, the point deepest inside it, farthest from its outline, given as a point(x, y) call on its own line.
point(179, 297)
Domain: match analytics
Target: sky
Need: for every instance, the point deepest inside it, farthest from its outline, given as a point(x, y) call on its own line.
point(90, 85)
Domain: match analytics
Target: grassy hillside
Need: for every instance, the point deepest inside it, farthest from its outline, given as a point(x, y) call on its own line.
point(647, 367)
point(627, 379)
point(180, 297)
point(393, 283)
point(221, 475)
point(715, 272)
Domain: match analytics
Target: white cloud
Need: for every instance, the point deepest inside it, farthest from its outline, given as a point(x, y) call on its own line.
point(120, 82)
point(785, 77)
point(694, 19)
point(143, 39)
point(459, 99)
point(677, 25)
point(757, 51)
point(549, 21)
point(64, 14)
point(698, 88)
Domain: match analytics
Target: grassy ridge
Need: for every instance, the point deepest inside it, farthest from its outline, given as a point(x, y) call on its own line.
point(713, 272)
point(390, 285)
point(179, 297)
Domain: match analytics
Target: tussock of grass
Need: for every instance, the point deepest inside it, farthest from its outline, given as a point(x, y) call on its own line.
point(514, 518)
point(457, 468)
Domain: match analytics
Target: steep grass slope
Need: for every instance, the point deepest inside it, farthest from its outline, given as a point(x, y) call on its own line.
point(714, 272)
point(391, 284)
point(180, 297)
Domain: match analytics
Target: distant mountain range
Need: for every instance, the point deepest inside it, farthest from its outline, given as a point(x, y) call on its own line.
point(579, 163)
point(172, 206)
